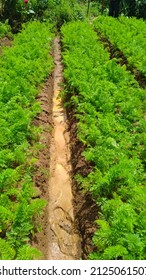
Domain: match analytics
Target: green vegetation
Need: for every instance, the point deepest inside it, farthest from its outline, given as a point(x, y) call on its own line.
point(56, 11)
point(61, 11)
point(128, 35)
point(5, 30)
point(110, 108)
point(23, 68)
point(130, 8)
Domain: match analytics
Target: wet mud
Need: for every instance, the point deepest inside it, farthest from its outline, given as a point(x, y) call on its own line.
point(64, 241)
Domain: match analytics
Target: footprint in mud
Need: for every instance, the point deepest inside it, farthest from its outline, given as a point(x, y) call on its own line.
point(67, 239)
point(63, 220)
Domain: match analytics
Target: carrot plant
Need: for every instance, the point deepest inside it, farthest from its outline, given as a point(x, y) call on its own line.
point(23, 69)
point(110, 109)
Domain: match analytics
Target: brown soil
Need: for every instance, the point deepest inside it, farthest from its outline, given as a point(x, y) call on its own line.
point(5, 42)
point(41, 176)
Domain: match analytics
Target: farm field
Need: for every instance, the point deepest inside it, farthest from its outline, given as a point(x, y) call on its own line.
point(102, 107)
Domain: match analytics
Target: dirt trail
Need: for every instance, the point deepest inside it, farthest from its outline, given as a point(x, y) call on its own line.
point(64, 242)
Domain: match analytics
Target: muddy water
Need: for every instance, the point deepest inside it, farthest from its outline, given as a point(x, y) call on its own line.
point(64, 242)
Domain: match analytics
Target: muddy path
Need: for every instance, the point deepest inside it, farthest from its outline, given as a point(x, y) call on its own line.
point(64, 241)
point(67, 224)
point(58, 238)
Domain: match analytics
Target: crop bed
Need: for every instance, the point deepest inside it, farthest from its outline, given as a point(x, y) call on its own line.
point(110, 108)
point(23, 69)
